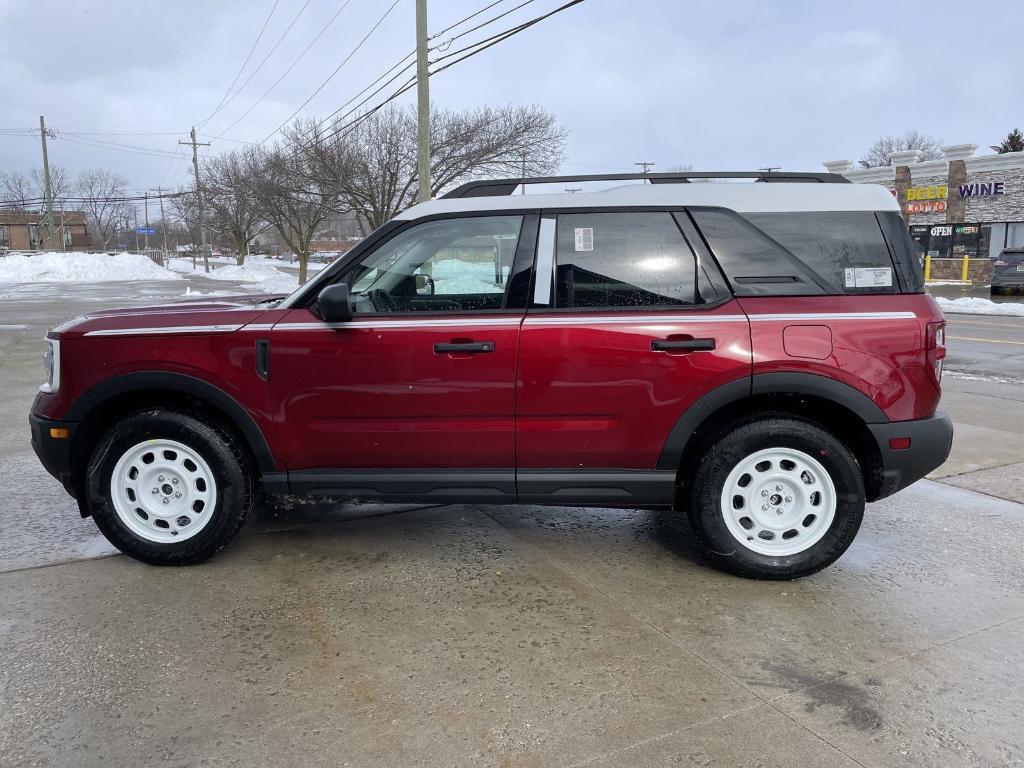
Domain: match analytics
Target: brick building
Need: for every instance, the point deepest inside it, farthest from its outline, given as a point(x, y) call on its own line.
point(27, 231)
point(962, 205)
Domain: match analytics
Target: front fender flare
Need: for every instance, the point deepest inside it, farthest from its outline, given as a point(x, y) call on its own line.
point(240, 418)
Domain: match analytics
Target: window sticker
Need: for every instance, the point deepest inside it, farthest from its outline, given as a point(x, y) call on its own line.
point(584, 238)
point(869, 277)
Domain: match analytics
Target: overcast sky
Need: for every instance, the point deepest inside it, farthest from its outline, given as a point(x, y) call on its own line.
point(719, 85)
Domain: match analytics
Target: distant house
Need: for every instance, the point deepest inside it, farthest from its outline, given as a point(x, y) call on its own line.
point(27, 231)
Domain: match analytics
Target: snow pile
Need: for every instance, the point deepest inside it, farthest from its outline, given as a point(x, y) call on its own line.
point(78, 267)
point(974, 306)
point(264, 277)
point(458, 276)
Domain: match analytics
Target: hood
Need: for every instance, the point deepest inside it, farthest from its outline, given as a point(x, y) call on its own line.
point(225, 314)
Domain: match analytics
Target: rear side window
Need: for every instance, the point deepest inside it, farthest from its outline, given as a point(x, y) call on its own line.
point(754, 263)
point(803, 253)
point(906, 252)
point(629, 259)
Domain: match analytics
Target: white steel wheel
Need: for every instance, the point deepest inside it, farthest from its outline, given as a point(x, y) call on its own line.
point(778, 502)
point(163, 491)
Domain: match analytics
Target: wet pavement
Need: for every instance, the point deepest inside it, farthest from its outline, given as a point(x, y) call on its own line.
point(340, 634)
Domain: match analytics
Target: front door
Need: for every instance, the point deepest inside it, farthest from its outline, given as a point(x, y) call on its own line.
point(421, 381)
point(627, 329)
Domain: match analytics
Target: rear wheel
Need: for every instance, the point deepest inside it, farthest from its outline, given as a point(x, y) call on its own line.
point(167, 488)
point(776, 498)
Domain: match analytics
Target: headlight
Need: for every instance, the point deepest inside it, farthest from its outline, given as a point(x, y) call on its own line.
point(51, 364)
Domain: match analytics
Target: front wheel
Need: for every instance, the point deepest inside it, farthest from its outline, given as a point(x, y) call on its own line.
point(167, 488)
point(776, 498)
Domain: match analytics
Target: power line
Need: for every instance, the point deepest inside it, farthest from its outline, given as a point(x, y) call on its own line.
point(125, 133)
point(265, 58)
point(331, 76)
point(487, 42)
point(127, 148)
point(241, 69)
point(467, 18)
point(445, 43)
point(297, 60)
point(343, 130)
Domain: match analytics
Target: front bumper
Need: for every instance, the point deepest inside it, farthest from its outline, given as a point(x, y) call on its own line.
point(930, 442)
point(54, 453)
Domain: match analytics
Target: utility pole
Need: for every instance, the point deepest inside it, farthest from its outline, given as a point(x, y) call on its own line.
point(47, 187)
point(145, 196)
point(199, 193)
point(163, 222)
point(522, 187)
point(646, 166)
point(422, 101)
point(135, 220)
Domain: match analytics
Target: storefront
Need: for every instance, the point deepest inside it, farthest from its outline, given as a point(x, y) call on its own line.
point(963, 205)
point(943, 241)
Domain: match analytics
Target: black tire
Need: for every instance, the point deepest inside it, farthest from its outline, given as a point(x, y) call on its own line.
point(703, 496)
point(219, 448)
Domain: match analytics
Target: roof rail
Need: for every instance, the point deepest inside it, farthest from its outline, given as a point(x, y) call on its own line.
point(498, 187)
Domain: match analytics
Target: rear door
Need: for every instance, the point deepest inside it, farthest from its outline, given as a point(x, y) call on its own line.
point(422, 379)
point(628, 327)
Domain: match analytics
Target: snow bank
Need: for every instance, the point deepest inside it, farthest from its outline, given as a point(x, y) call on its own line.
point(78, 267)
point(264, 277)
point(974, 306)
point(458, 276)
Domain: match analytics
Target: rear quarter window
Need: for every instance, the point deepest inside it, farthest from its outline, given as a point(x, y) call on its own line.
point(806, 253)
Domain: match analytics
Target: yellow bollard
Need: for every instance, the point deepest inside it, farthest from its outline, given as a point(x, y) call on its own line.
point(927, 268)
point(963, 274)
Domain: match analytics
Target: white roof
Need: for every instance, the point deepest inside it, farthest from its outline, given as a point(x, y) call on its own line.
point(744, 197)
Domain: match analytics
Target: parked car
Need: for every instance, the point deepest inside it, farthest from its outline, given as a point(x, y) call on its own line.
point(1008, 270)
point(761, 355)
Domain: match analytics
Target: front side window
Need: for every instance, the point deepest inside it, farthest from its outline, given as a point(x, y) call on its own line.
point(629, 259)
point(446, 265)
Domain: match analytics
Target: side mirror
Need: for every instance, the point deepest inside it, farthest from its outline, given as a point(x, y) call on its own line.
point(335, 303)
point(424, 285)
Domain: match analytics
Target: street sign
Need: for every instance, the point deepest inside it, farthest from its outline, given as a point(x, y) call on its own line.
point(145, 230)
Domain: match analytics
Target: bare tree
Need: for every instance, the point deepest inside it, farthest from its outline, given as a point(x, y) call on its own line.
point(185, 209)
point(229, 181)
point(881, 152)
point(373, 163)
point(18, 191)
point(60, 184)
point(291, 195)
point(105, 210)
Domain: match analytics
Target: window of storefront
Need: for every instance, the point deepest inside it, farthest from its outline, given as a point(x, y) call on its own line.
point(965, 240)
point(4, 239)
point(1015, 235)
point(33, 236)
point(66, 231)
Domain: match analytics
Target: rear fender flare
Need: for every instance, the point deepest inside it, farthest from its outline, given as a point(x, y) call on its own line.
point(735, 391)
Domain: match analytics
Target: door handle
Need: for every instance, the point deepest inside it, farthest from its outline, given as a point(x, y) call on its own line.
point(464, 346)
point(687, 345)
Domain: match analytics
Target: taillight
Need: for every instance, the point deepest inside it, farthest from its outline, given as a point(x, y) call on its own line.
point(935, 346)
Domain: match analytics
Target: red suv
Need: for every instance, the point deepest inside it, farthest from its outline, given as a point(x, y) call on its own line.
point(760, 354)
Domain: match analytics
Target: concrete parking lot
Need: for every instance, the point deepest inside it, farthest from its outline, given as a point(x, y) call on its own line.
point(333, 634)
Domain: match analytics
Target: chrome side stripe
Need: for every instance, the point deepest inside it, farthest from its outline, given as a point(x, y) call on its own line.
point(386, 324)
point(836, 316)
point(164, 331)
point(633, 319)
point(483, 322)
